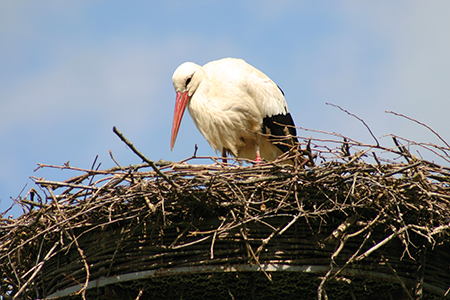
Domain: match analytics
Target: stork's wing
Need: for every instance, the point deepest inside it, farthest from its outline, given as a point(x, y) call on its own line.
point(270, 100)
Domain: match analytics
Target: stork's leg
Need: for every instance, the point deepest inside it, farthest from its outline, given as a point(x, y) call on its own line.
point(224, 155)
point(258, 156)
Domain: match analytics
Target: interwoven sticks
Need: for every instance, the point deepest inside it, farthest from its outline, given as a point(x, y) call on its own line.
point(343, 212)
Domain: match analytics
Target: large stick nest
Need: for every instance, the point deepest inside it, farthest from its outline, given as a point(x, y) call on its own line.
point(349, 212)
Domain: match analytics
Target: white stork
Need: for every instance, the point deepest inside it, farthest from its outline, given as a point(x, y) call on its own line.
point(231, 104)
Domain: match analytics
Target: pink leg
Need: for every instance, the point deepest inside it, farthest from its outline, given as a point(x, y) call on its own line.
point(258, 157)
point(224, 155)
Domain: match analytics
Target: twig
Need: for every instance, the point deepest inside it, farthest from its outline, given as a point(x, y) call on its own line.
point(400, 170)
point(361, 120)
point(86, 266)
point(402, 284)
point(418, 122)
point(214, 239)
point(351, 259)
point(249, 248)
point(150, 162)
point(114, 160)
point(265, 241)
point(290, 223)
point(383, 242)
point(15, 272)
point(36, 271)
point(60, 184)
point(180, 235)
point(141, 292)
point(229, 293)
point(321, 288)
point(191, 243)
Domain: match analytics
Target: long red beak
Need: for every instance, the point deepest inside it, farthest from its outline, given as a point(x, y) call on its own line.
point(180, 106)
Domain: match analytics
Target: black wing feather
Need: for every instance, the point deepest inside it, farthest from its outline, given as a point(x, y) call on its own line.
point(275, 126)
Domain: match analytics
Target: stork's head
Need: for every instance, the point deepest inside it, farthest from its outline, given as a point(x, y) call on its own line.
point(186, 80)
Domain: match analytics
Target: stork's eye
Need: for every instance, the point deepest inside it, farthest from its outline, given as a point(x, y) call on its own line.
point(188, 80)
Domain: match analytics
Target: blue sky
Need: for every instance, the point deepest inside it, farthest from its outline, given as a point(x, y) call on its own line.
point(71, 70)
